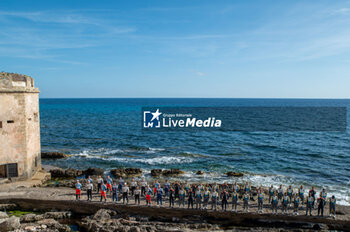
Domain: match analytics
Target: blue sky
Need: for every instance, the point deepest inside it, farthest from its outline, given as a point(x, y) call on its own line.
point(197, 48)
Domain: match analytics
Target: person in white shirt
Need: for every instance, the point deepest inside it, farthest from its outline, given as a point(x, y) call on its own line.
point(99, 183)
point(125, 193)
point(137, 195)
point(143, 186)
point(214, 199)
point(89, 189)
point(182, 196)
point(133, 186)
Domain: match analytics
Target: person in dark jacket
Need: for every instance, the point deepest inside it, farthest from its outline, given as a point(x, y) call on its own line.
point(190, 198)
point(224, 199)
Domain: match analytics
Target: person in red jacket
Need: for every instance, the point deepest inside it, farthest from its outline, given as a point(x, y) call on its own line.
point(77, 190)
point(148, 199)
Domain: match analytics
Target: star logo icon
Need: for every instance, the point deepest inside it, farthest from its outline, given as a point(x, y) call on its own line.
point(156, 115)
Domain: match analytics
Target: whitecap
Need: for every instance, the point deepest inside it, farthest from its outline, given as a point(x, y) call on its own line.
point(152, 161)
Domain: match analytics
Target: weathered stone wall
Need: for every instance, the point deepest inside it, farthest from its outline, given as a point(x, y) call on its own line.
point(12, 135)
point(32, 132)
point(19, 116)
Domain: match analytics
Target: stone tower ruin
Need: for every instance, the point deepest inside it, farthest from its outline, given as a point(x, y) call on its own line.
point(19, 127)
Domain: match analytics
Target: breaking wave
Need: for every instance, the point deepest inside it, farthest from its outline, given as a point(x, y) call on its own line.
point(152, 161)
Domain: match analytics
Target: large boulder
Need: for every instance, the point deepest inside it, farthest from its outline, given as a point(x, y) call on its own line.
point(3, 215)
point(57, 173)
point(172, 172)
point(94, 172)
point(156, 172)
point(134, 229)
point(118, 172)
point(103, 214)
point(58, 215)
point(199, 173)
point(72, 173)
point(53, 155)
point(53, 225)
point(9, 224)
point(127, 172)
point(133, 172)
point(68, 173)
point(234, 174)
point(31, 217)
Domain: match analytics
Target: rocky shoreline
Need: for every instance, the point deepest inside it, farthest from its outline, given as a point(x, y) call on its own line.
point(102, 221)
point(32, 221)
point(52, 207)
point(56, 215)
point(124, 172)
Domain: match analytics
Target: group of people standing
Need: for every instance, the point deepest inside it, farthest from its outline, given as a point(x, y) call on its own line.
point(208, 196)
point(296, 199)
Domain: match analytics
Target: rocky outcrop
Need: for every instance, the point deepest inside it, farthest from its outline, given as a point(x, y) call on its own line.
point(199, 173)
point(166, 219)
point(9, 223)
point(166, 173)
point(156, 172)
point(27, 218)
point(3, 215)
point(104, 214)
point(234, 174)
point(127, 172)
point(94, 172)
point(31, 217)
point(73, 173)
point(172, 172)
point(68, 173)
point(50, 224)
point(57, 173)
point(108, 220)
point(58, 215)
point(53, 155)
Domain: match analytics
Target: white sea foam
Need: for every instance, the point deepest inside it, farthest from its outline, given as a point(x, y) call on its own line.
point(152, 161)
point(156, 149)
point(85, 154)
point(100, 152)
point(111, 152)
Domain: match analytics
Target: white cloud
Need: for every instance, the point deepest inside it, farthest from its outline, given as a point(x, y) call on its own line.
point(200, 74)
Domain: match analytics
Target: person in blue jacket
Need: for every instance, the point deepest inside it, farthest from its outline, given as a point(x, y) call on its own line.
point(159, 196)
point(115, 192)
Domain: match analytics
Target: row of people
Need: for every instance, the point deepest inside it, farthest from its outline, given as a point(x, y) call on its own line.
point(203, 196)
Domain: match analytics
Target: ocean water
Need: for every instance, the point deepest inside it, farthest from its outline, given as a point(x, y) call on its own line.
point(107, 133)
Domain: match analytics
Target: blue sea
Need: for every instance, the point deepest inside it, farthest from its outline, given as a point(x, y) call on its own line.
point(107, 133)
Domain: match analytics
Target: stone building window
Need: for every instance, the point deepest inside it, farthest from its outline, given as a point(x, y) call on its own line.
point(8, 170)
point(0, 124)
point(10, 121)
point(12, 170)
